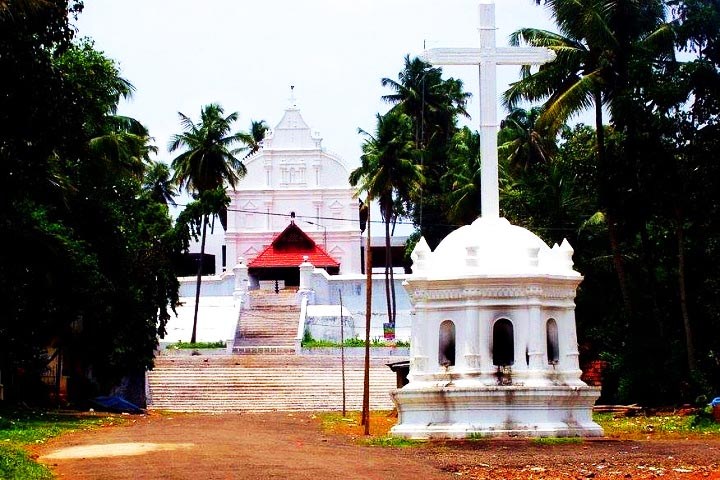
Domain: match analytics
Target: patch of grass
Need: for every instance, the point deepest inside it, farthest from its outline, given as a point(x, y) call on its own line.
point(21, 428)
point(354, 342)
point(16, 465)
point(665, 425)
point(390, 442)
point(313, 343)
point(334, 422)
point(309, 342)
point(557, 440)
point(197, 345)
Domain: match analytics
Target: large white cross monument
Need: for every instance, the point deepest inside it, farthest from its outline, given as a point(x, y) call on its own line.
point(493, 346)
point(488, 57)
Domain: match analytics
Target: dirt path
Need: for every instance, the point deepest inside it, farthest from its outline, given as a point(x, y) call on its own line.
point(228, 447)
point(285, 446)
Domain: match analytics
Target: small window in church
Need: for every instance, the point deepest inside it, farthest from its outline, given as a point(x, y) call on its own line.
point(503, 348)
point(553, 349)
point(446, 350)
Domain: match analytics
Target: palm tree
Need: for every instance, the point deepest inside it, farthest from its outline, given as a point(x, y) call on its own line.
point(206, 164)
point(159, 185)
point(124, 146)
point(433, 105)
point(520, 141)
point(598, 42)
point(431, 102)
point(462, 179)
point(253, 138)
point(388, 174)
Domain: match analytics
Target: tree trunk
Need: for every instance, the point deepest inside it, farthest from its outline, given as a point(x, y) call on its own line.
point(649, 261)
point(193, 337)
point(389, 269)
point(365, 417)
point(689, 345)
point(610, 217)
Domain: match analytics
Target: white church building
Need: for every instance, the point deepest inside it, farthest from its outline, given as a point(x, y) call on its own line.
point(293, 179)
point(295, 201)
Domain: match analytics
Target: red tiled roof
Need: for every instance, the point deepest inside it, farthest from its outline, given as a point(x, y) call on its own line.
point(288, 250)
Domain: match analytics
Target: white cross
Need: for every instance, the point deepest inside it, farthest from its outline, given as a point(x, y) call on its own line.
point(488, 57)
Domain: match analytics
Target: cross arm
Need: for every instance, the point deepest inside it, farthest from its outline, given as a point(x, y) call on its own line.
point(500, 56)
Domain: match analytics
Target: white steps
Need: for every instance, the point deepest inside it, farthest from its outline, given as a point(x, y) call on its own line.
point(259, 383)
point(269, 326)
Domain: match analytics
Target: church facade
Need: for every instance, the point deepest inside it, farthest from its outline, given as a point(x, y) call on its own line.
point(292, 180)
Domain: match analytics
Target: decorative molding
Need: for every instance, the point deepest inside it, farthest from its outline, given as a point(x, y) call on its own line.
point(420, 294)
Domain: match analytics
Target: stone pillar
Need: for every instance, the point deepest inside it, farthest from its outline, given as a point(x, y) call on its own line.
point(469, 343)
point(537, 343)
point(521, 330)
point(418, 344)
point(242, 283)
point(569, 354)
point(306, 271)
point(485, 322)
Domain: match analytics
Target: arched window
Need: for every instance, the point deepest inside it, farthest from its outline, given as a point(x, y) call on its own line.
point(446, 344)
point(503, 348)
point(553, 349)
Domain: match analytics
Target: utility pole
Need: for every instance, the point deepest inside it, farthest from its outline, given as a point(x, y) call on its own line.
point(342, 350)
point(368, 315)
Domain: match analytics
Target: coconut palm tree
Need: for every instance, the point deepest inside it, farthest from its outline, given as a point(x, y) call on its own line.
point(158, 183)
point(520, 141)
point(253, 138)
point(462, 179)
point(125, 145)
point(433, 105)
point(388, 174)
point(599, 43)
point(430, 101)
point(208, 161)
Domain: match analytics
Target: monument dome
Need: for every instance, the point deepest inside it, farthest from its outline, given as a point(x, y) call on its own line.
point(493, 246)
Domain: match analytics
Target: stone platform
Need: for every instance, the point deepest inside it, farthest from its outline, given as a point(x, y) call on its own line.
point(457, 411)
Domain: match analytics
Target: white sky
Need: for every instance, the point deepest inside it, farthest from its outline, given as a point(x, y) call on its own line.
point(183, 54)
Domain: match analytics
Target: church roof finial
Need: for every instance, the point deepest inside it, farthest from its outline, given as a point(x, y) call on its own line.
point(292, 99)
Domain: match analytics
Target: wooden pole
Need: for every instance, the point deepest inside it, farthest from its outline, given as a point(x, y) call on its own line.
point(368, 314)
point(342, 350)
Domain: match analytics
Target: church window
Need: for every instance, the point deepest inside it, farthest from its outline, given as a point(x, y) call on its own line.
point(553, 349)
point(503, 348)
point(446, 344)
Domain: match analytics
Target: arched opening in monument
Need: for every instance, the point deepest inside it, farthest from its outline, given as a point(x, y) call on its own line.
point(446, 344)
point(503, 348)
point(553, 348)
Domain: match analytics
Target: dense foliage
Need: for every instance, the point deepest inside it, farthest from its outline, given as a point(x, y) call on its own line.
point(86, 266)
point(635, 194)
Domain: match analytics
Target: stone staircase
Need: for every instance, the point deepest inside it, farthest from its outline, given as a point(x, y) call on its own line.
point(265, 374)
point(270, 325)
point(261, 383)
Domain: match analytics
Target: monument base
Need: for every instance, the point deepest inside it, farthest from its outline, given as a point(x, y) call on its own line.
point(436, 411)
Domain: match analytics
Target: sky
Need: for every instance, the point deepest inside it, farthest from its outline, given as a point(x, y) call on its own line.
point(245, 55)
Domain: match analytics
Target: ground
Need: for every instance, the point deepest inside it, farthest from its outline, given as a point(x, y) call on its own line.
point(312, 446)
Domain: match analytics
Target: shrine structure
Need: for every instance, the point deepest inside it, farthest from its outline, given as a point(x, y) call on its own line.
point(493, 338)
